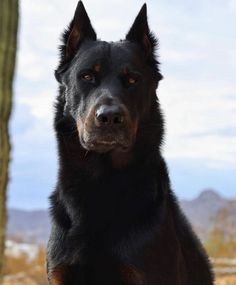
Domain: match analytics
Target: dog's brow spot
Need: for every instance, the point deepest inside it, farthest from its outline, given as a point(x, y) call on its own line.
point(125, 71)
point(97, 67)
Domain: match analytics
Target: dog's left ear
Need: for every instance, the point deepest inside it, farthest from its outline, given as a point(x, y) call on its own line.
point(140, 33)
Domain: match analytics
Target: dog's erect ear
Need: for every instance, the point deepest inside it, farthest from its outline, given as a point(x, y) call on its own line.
point(140, 33)
point(80, 29)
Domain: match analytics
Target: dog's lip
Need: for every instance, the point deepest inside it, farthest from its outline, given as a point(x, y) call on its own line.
point(102, 145)
point(106, 142)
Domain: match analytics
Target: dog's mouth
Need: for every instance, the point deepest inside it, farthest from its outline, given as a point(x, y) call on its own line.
point(103, 144)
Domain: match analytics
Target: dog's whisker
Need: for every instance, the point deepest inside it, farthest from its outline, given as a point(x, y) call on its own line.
point(86, 153)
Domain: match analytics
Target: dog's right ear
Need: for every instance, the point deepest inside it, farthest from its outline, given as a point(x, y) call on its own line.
point(80, 29)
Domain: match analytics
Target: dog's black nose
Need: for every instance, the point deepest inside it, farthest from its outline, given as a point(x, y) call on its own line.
point(110, 115)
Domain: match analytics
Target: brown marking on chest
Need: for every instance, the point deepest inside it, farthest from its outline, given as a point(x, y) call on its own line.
point(132, 275)
point(58, 275)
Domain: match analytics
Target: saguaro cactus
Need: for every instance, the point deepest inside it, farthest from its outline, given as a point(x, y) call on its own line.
point(8, 40)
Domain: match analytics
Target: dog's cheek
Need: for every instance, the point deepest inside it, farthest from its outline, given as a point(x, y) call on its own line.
point(79, 114)
point(79, 127)
point(132, 128)
point(89, 118)
point(83, 124)
point(80, 124)
point(135, 128)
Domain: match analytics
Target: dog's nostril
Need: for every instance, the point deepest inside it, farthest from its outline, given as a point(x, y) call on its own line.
point(102, 118)
point(109, 115)
point(118, 119)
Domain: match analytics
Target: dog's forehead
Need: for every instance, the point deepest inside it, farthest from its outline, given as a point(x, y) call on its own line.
point(91, 51)
point(125, 52)
point(116, 54)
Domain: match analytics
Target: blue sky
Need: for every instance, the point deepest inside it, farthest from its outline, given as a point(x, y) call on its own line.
point(198, 95)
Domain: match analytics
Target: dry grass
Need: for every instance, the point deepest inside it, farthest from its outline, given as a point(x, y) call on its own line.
point(22, 279)
point(19, 279)
point(22, 271)
point(226, 280)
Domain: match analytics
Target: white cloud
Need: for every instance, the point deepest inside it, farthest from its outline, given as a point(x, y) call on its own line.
point(198, 118)
point(181, 55)
point(40, 105)
point(232, 3)
point(213, 149)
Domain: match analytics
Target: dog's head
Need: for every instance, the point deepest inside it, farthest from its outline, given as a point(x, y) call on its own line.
point(108, 87)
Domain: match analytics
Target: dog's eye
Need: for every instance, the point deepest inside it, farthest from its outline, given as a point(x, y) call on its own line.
point(132, 80)
point(88, 77)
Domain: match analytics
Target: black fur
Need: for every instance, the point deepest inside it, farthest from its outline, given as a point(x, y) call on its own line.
point(115, 219)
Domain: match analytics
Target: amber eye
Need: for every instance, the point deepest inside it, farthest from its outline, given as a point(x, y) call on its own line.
point(131, 80)
point(88, 77)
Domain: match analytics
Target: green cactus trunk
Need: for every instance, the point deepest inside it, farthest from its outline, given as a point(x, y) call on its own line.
point(8, 41)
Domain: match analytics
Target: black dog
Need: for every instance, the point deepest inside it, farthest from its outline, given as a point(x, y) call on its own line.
point(115, 219)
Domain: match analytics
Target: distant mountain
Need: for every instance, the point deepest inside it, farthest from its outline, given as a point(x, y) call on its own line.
point(205, 212)
point(28, 226)
point(209, 210)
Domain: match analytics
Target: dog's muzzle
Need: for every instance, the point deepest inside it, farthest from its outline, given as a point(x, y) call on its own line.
point(107, 127)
